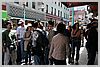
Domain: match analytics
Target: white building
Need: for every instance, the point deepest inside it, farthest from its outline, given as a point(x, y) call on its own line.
point(43, 11)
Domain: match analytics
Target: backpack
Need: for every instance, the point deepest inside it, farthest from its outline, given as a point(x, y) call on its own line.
point(42, 39)
point(41, 43)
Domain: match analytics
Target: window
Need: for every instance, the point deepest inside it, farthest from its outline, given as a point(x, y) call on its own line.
point(61, 4)
point(55, 12)
point(46, 8)
point(42, 9)
point(52, 10)
point(58, 3)
point(27, 4)
point(58, 13)
point(33, 5)
point(61, 14)
point(16, 2)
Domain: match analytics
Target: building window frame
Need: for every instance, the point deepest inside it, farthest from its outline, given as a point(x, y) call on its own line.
point(51, 10)
point(61, 14)
point(16, 2)
point(58, 13)
point(46, 8)
point(55, 12)
point(58, 3)
point(26, 4)
point(33, 5)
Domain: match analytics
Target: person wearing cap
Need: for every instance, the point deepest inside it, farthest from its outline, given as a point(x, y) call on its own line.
point(20, 35)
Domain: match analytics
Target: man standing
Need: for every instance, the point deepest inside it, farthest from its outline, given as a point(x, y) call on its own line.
point(20, 34)
point(39, 44)
point(51, 33)
point(6, 43)
point(92, 42)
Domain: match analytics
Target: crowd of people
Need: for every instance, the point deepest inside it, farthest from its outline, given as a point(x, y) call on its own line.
point(49, 47)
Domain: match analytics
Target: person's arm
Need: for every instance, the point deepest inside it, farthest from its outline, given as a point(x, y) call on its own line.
point(78, 34)
point(34, 37)
point(51, 49)
point(27, 38)
point(86, 35)
point(67, 46)
point(73, 33)
point(3, 42)
point(17, 35)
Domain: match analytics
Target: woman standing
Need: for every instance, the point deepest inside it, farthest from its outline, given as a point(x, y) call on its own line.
point(27, 44)
point(59, 46)
point(76, 41)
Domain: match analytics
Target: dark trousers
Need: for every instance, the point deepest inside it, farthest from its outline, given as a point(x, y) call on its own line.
point(2, 58)
point(76, 44)
point(46, 53)
point(91, 57)
point(59, 62)
point(27, 54)
point(18, 55)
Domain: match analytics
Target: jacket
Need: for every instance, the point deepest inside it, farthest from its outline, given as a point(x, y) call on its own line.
point(59, 49)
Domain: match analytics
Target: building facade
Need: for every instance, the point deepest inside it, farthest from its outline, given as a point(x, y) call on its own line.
point(32, 11)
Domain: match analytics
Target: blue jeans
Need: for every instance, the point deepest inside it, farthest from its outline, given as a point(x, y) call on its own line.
point(37, 60)
point(22, 48)
point(75, 43)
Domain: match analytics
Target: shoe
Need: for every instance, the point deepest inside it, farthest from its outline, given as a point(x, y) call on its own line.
point(30, 63)
point(76, 63)
point(72, 62)
point(23, 60)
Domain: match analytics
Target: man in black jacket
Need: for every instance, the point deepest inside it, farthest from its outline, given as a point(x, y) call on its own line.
point(92, 43)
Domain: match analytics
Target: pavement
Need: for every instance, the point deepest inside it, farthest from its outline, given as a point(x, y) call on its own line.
point(82, 60)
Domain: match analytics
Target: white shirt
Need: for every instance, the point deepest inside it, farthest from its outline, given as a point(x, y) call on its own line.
point(20, 31)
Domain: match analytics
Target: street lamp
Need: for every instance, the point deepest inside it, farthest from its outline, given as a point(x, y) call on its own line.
point(24, 4)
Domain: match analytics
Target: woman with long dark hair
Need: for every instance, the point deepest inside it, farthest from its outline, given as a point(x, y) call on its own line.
point(76, 42)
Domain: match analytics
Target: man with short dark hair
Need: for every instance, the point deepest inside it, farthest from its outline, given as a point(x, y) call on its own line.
point(51, 33)
point(6, 41)
point(59, 49)
point(92, 42)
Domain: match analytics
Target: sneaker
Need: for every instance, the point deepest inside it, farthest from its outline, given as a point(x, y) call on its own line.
point(76, 62)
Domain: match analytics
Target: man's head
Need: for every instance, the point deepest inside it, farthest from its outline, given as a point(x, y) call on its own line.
point(21, 22)
point(50, 25)
point(8, 24)
point(61, 28)
point(94, 23)
point(35, 25)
